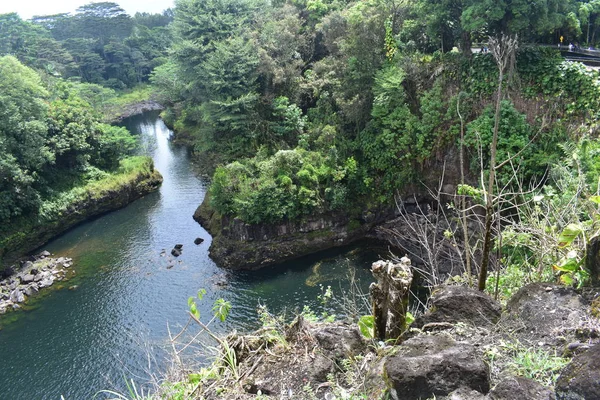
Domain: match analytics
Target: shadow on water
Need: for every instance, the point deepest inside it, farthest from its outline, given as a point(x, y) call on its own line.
point(77, 342)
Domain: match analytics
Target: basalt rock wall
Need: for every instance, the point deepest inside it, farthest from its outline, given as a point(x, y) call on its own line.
point(238, 245)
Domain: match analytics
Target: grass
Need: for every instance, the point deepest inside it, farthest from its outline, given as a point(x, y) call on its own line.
point(539, 364)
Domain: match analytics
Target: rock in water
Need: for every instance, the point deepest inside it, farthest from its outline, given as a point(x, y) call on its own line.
point(176, 252)
point(178, 246)
point(198, 240)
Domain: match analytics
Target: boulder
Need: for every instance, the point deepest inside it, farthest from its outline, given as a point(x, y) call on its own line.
point(44, 254)
point(519, 388)
point(17, 296)
point(29, 291)
point(340, 340)
point(320, 368)
point(27, 264)
point(548, 312)
point(198, 240)
point(178, 246)
point(27, 278)
point(48, 281)
point(451, 304)
point(176, 252)
point(427, 366)
point(580, 379)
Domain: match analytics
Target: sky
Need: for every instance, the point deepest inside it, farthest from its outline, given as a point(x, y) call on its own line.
point(28, 8)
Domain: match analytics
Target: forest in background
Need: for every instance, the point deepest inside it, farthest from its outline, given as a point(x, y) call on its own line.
point(306, 106)
point(63, 78)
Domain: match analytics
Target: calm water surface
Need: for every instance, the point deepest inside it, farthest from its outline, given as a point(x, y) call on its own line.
point(113, 327)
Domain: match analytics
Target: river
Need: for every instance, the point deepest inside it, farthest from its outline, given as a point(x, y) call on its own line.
point(113, 326)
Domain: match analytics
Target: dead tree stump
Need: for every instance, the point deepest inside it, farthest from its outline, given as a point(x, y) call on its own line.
point(389, 297)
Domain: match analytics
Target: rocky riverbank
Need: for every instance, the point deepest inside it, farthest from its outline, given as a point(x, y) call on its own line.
point(542, 346)
point(24, 281)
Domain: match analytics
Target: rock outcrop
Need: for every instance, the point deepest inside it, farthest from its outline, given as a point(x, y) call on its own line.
point(238, 245)
point(26, 238)
point(550, 313)
point(138, 108)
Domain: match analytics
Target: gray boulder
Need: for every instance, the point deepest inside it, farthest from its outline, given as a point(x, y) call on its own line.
point(340, 340)
point(520, 388)
point(580, 379)
point(30, 290)
point(47, 281)
point(427, 366)
point(547, 312)
point(17, 296)
point(451, 304)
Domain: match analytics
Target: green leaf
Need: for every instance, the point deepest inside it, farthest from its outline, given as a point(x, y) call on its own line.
point(567, 279)
point(366, 324)
point(568, 265)
point(569, 234)
point(194, 311)
point(194, 378)
point(595, 199)
point(201, 293)
point(409, 318)
point(221, 309)
point(190, 301)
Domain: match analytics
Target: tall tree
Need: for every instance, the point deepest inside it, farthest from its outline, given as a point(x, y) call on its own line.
point(23, 131)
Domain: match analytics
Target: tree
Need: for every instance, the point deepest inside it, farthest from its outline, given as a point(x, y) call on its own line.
point(23, 131)
point(503, 49)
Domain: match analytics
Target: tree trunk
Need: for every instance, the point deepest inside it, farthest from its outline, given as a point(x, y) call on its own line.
point(389, 297)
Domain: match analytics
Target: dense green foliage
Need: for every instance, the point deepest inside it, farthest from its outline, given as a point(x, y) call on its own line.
point(99, 43)
point(288, 185)
point(49, 139)
point(369, 81)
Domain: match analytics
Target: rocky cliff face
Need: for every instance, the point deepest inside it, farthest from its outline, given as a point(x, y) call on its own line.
point(239, 245)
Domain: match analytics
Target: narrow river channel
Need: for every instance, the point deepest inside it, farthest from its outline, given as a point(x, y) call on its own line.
point(113, 326)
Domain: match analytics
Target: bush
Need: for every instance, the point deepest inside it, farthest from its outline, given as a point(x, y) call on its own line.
point(287, 185)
